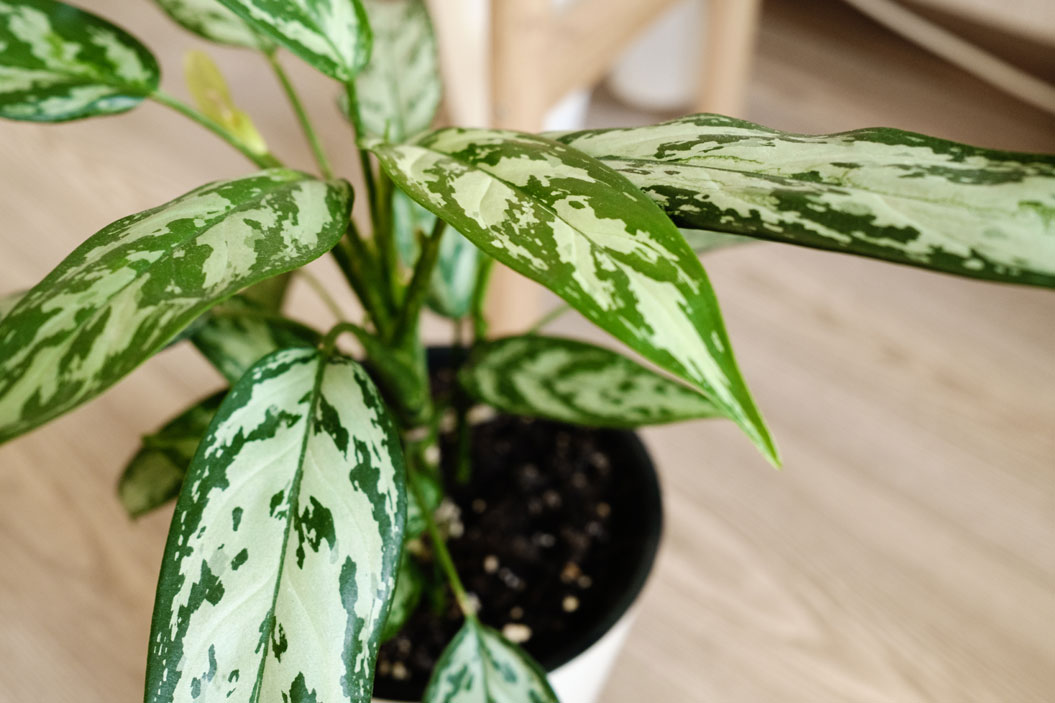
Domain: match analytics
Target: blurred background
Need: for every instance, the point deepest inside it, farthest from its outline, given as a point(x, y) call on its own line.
point(904, 554)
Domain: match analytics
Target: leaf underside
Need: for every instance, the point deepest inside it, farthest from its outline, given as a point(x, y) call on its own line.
point(285, 542)
point(881, 193)
point(131, 287)
point(571, 223)
point(571, 381)
point(60, 63)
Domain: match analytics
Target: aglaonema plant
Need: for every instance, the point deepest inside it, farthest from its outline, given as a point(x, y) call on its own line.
point(299, 486)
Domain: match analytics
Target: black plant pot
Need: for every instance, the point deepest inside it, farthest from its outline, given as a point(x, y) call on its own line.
point(561, 523)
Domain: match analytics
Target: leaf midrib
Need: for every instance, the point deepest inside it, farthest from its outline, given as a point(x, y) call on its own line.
point(294, 496)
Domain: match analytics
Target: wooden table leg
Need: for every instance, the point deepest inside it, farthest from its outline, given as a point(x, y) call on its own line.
point(731, 27)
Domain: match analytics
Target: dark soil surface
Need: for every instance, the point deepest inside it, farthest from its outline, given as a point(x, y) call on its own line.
point(547, 525)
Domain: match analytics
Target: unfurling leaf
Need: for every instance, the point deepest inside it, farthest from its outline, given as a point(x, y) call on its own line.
point(400, 89)
point(210, 93)
point(881, 193)
point(60, 63)
point(481, 666)
point(132, 286)
point(154, 475)
point(571, 381)
point(333, 36)
point(582, 230)
point(213, 21)
point(237, 334)
point(284, 545)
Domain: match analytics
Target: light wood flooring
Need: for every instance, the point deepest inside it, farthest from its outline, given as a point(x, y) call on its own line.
point(906, 553)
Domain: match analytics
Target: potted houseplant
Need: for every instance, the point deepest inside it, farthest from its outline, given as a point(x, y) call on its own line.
point(310, 525)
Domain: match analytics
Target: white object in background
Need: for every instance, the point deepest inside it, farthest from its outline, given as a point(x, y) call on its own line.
point(463, 28)
point(661, 69)
point(582, 679)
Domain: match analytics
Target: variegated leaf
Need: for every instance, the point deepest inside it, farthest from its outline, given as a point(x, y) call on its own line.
point(881, 193)
point(285, 542)
point(406, 596)
point(400, 89)
point(210, 93)
point(9, 301)
point(213, 21)
point(60, 63)
point(237, 334)
point(572, 381)
point(454, 278)
point(154, 475)
point(133, 285)
point(582, 230)
point(481, 666)
point(331, 35)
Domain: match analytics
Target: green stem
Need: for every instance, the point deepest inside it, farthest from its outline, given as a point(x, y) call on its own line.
point(440, 547)
point(320, 290)
point(302, 115)
point(329, 342)
point(383, 235)
point(483, 277)
point(549, 317)
point(263, 160)
point(418, 288)
point(364, 156)
point(351, 258)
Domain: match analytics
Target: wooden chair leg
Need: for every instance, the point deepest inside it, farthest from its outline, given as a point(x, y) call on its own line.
point(519, 32)
point(730, 40)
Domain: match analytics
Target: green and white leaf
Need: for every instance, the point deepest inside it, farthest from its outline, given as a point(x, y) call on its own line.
point(481, 666)
point(571, 381)
point(400, 89)
point(9, 301)
point(882, 193)
point(132, 286)
point(213, 21)
point(571, 223)
point(154, 475)
point(284, 546)
point(60, 63)
point(405, 598)
point(237, 334)
point(331, 35)
point(454, 278)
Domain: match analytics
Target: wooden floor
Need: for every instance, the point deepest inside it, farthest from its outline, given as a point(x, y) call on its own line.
point(906, 554)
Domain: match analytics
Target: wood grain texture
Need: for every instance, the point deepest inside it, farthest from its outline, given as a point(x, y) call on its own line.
point(905, 553)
